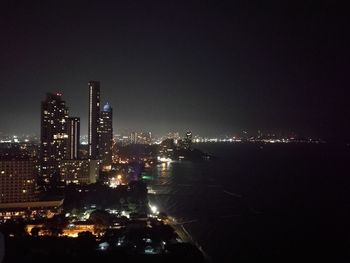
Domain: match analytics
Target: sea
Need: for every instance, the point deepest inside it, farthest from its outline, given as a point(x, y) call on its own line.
point(261, 202)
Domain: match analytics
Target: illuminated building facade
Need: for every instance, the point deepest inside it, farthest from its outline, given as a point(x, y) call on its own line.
point(73, 138)
point(79, 171)
point(133, 138)
point(72, 230)
point(167, 148)
point(30, 210)
point(17, 179)
point(94, 119)
point(106, 137)
point(144, 138)
point(54, 136)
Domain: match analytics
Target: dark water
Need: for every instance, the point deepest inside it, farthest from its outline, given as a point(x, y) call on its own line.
point(282, 203)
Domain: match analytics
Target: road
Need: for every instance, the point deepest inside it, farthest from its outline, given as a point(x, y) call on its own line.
point(184, 235)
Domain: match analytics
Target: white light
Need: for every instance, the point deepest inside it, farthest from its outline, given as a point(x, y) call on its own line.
point(103, 246)
point(164, 160)
point(154, 209)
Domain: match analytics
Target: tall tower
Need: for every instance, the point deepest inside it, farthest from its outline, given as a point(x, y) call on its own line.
point(133, 138)
point(188, 140)
point(94, 112)
point(106, 136)
point(54, 136)
point(73, 138)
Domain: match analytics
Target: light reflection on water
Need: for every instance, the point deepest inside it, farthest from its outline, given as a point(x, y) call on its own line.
point(183, 189)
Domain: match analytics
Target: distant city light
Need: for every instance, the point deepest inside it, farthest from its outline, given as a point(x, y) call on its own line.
point(164, 159)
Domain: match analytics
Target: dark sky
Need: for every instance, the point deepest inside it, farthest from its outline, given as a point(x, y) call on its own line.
point(211, 66)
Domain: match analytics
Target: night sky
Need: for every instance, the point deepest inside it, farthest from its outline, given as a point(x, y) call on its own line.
point(211, 66)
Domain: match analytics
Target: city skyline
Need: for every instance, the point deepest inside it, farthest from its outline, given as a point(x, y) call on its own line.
point(286, 132)
point(95, 98)
point(214, 68)
point(174, 131)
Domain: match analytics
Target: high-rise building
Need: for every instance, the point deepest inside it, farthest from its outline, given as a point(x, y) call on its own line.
point(94, 118)
point(17, 179)
point(106, 136)
point(73, 138)
point(54, 136)
point(188, 140)
point(133, 138)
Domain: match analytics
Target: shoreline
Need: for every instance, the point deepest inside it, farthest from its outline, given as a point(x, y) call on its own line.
point(186, 237)
point(181, 231)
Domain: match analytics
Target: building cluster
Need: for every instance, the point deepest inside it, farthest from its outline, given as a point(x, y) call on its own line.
point(27, 171)
point(141, 138)
point(135, 137)
point(18, 191)
point(59, 160)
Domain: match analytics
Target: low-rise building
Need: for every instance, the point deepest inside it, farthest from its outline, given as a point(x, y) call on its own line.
point(79, 171)
point(30, 210)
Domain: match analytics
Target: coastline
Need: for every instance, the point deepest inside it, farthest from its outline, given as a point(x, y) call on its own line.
point(185, 236)
point(180, 230)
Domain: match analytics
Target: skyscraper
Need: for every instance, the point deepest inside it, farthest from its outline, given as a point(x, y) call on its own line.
point(133, 138)
point(188, 140)
point(73, 138)
point(54, 136)
point(106, 136)
point(94, 112)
